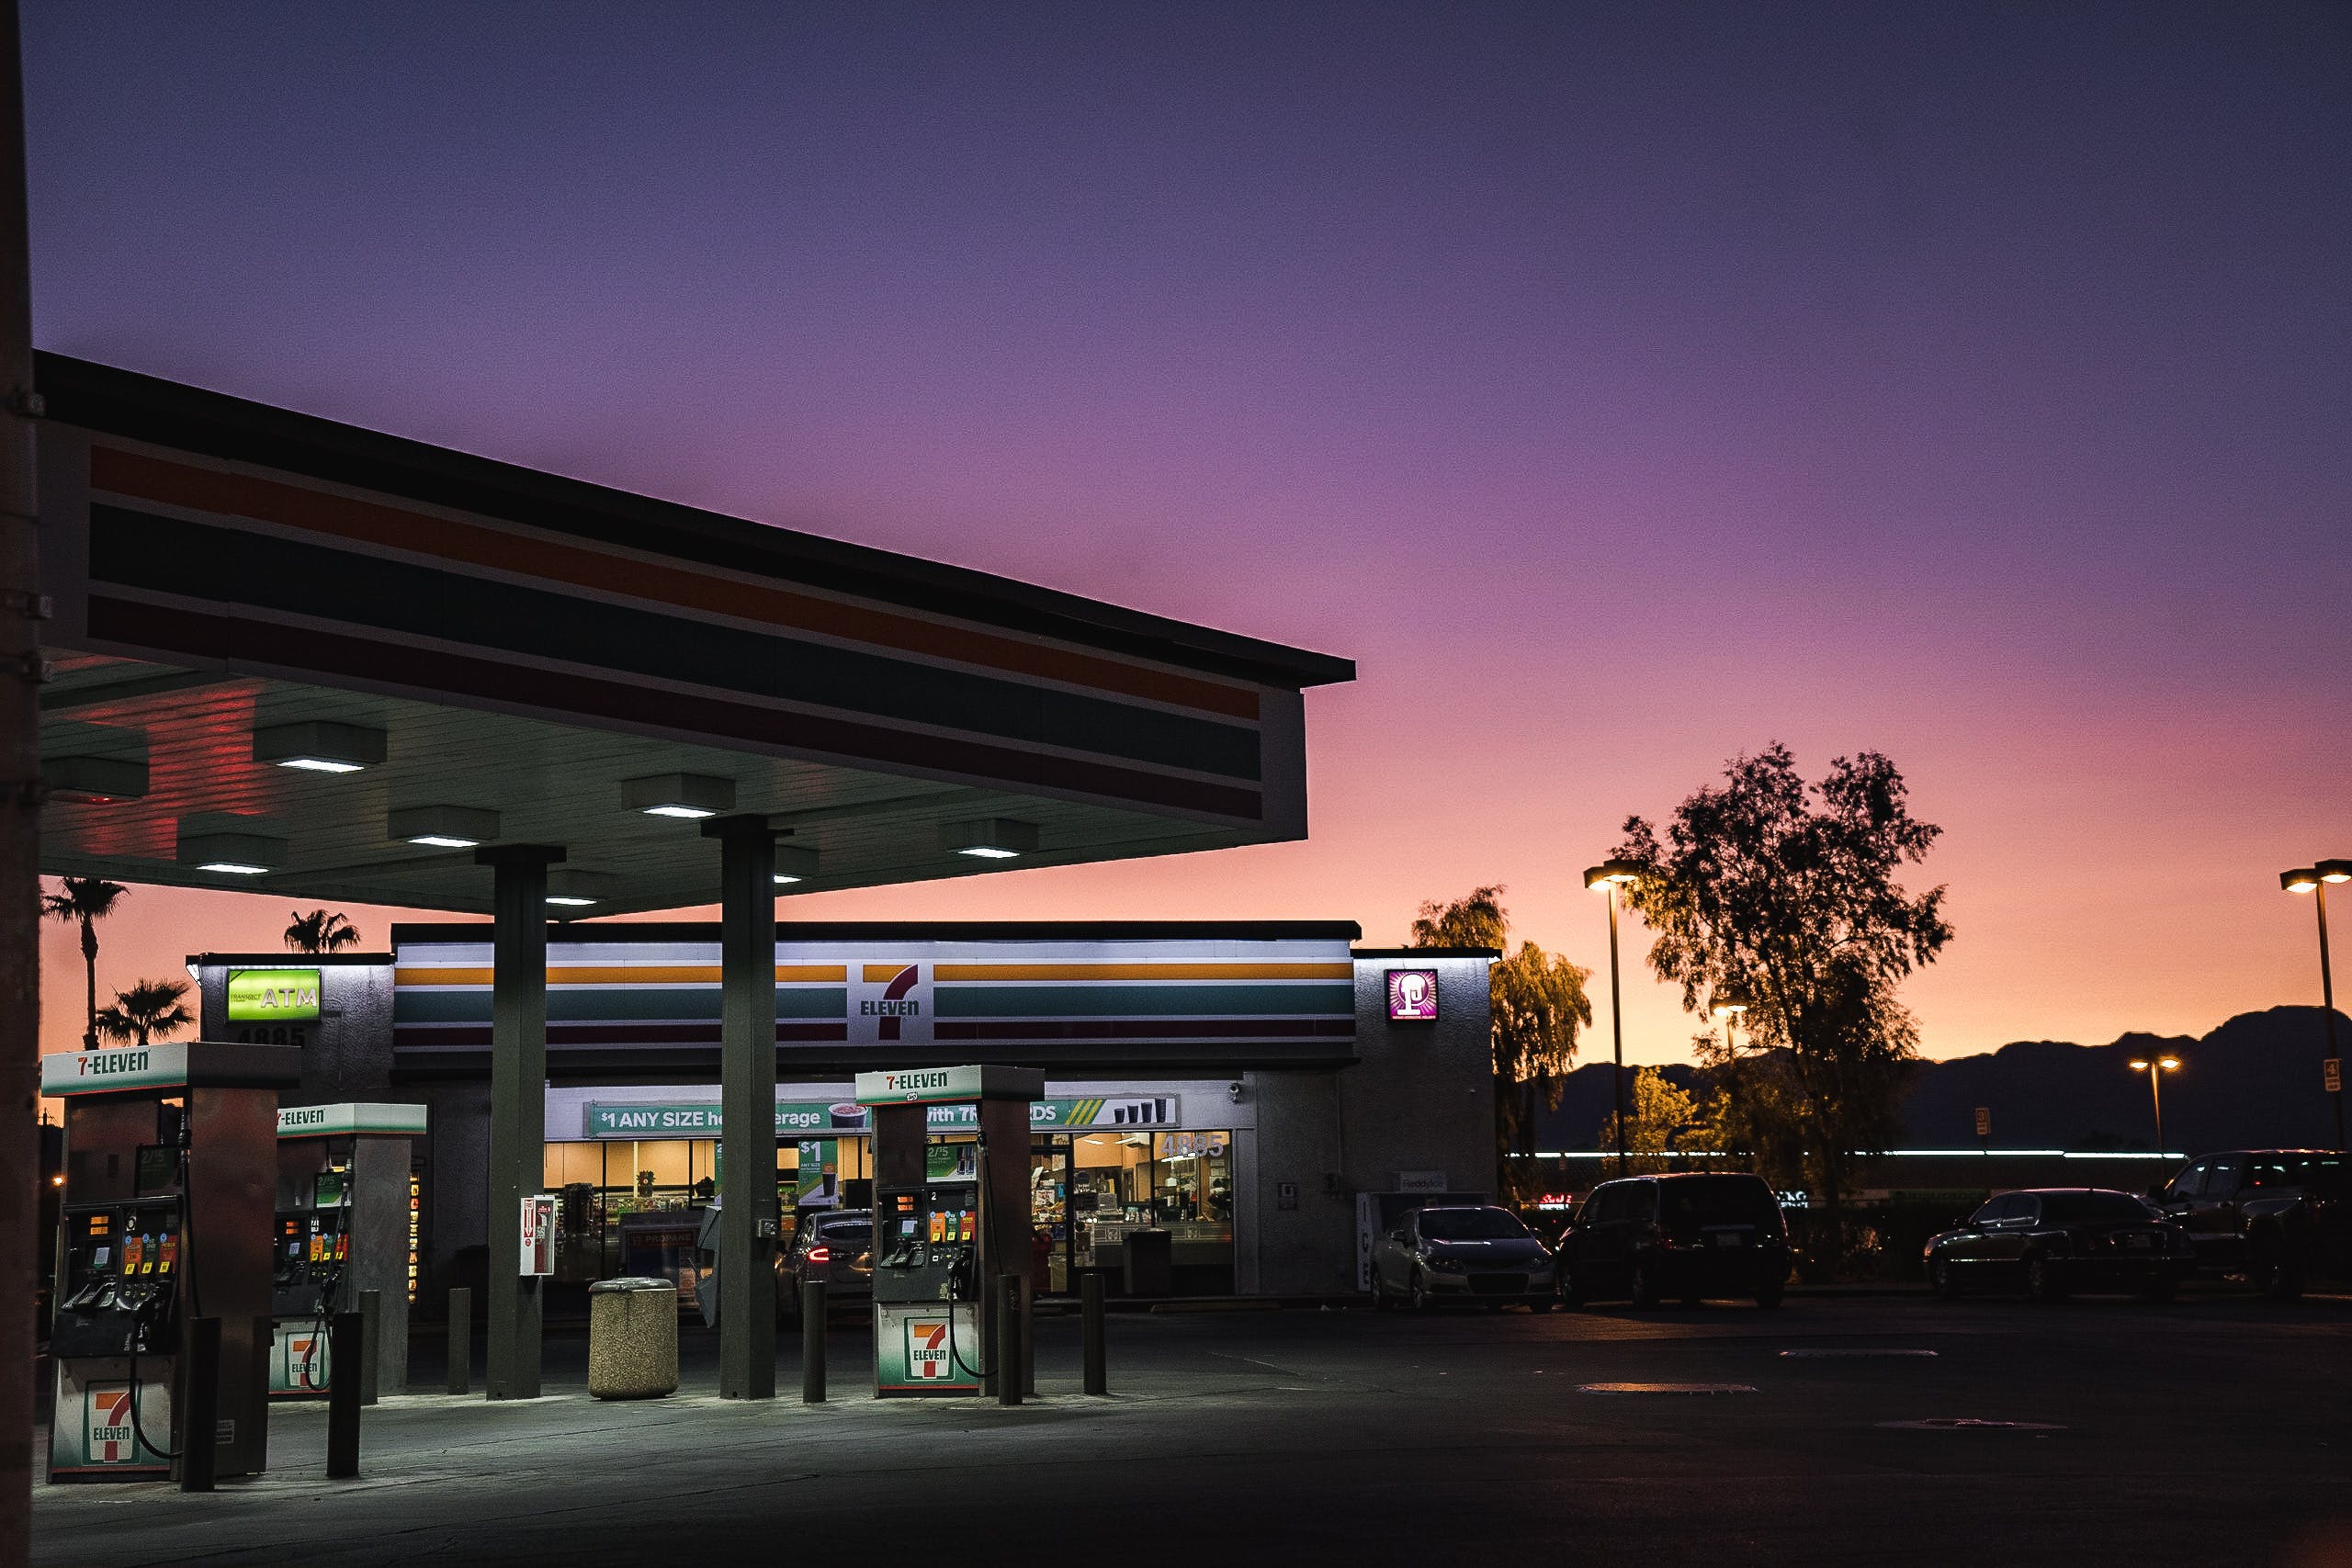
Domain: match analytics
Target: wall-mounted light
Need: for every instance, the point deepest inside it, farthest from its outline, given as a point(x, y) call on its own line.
point(690, 795)
point(442, 827)
point(232, 854)
point(992, 838)
point(320, 746)
point(94, 781)
point(794, 862)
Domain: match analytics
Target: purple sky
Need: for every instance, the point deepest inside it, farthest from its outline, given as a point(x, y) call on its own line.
point(1623, 387)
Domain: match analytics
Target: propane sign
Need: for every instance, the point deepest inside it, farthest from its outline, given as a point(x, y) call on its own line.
point(538, 1235)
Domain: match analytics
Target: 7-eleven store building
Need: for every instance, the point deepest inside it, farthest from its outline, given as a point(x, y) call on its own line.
point(1236, 1085)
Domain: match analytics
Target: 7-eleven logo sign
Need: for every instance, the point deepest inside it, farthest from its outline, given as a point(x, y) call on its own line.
point(889, 1004)
point(926, 1348)
point(111, 1437)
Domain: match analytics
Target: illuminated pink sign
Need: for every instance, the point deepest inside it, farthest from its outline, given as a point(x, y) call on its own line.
point(1412, 995)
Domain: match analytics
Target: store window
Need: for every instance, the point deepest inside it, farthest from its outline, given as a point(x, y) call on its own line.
point(1109, 1185)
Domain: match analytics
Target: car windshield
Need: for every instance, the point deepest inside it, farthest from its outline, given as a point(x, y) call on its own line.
point(1470, 1224)
point(2072, 1208)
point(1716, 1200)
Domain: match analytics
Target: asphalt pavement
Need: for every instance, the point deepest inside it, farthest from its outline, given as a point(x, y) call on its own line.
point(2213, 1430)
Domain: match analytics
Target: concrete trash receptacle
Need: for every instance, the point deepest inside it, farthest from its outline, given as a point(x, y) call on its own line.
point(632, 1339)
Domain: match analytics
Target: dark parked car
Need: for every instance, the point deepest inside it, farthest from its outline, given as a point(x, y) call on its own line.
point(2278, 1215)
point(1462, 1253)
point(2052, 1242)
point(836, 1247)
point(1647, 1237)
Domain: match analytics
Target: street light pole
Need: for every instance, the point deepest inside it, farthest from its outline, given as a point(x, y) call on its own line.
point(1606, 878)
point(2314, 880)
point(2155, 1070)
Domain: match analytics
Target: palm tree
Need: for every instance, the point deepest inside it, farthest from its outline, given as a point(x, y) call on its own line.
point(149, 1008)
point(321, 931)
point(88, 899)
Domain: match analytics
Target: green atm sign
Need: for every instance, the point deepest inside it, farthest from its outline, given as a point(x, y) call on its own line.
point(273, 996)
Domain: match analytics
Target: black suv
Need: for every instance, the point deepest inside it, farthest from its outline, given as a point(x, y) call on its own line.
point(2277, 1215)
point(1694, 1236)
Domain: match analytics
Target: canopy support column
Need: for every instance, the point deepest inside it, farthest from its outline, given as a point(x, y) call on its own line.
point(747, 1217)
point(518, 1101)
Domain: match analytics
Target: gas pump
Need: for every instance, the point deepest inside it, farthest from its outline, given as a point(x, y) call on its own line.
point(951, 1216)
point(165, 1218)
point(346, 1223)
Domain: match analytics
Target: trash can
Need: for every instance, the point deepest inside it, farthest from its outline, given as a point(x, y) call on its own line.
point(1151, 1263)
point(632, 1339)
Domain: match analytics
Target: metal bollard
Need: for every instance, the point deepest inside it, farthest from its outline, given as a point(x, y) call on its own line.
point(1008, 1339)
point(812, 1342)
point(200, 1423)
point(461, 1340)
point(343, 1397)
point(1090, 1293)
point(372, 1325)
point(1028, 1336)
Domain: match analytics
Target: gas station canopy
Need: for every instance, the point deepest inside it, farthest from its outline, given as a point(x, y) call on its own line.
point(296, 656)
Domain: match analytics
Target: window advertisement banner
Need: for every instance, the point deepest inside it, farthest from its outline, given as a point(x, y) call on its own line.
point(817, 1183)
point(799, 1119)
point(927, 1347)
point(273, 996)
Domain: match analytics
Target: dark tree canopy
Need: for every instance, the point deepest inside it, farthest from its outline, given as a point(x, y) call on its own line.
point(1785, 894)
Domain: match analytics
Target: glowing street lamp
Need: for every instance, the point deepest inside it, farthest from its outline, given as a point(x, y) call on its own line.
point(2155, 1070)
point(1728, 1006)
point(1606, 878)
point(2314, 879)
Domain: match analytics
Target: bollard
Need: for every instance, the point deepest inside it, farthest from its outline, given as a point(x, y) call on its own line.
point(343, 1397)
point(1090, 1292)
point(1029, 1336)
point(1008, 1339)
point(461, 1340)
point(371, 1323)
point(812, 1342)
point(201, 1422)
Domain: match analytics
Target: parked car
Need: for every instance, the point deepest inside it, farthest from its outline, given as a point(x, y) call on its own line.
point(836, 1247)
point(1462, 1253)
point(1692, 1236)
point(2278, 1215)
point(2050, 1242)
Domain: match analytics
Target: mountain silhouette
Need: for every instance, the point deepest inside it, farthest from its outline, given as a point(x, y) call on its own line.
point(2252, 1083)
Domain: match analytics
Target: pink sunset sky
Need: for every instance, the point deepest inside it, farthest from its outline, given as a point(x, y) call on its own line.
point(1622, 388)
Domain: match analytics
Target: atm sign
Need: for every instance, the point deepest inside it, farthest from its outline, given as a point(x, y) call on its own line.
point(273, 996)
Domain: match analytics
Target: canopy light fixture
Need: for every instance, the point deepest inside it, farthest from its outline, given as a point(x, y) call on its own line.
point(320, 746)
point(1611, 874)
point(442, 827)
point(232, 854)
point(94, 781)
point(990, 838)
point(794, 862)
point(571, 889)
point(691, 795)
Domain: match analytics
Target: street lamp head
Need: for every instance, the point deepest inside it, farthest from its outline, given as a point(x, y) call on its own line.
point(1610, 873)
point(2138, 1066)
point(2169, 1063)
point(2301, 881)
point(1729, 1004)
point(2334, 870)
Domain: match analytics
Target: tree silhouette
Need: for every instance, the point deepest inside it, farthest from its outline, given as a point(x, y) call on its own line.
point(1660, 1119)
point(1537, 1003)
point(321, 931)
point(86, 899)
point(1785, 891)
point(147, 1011)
